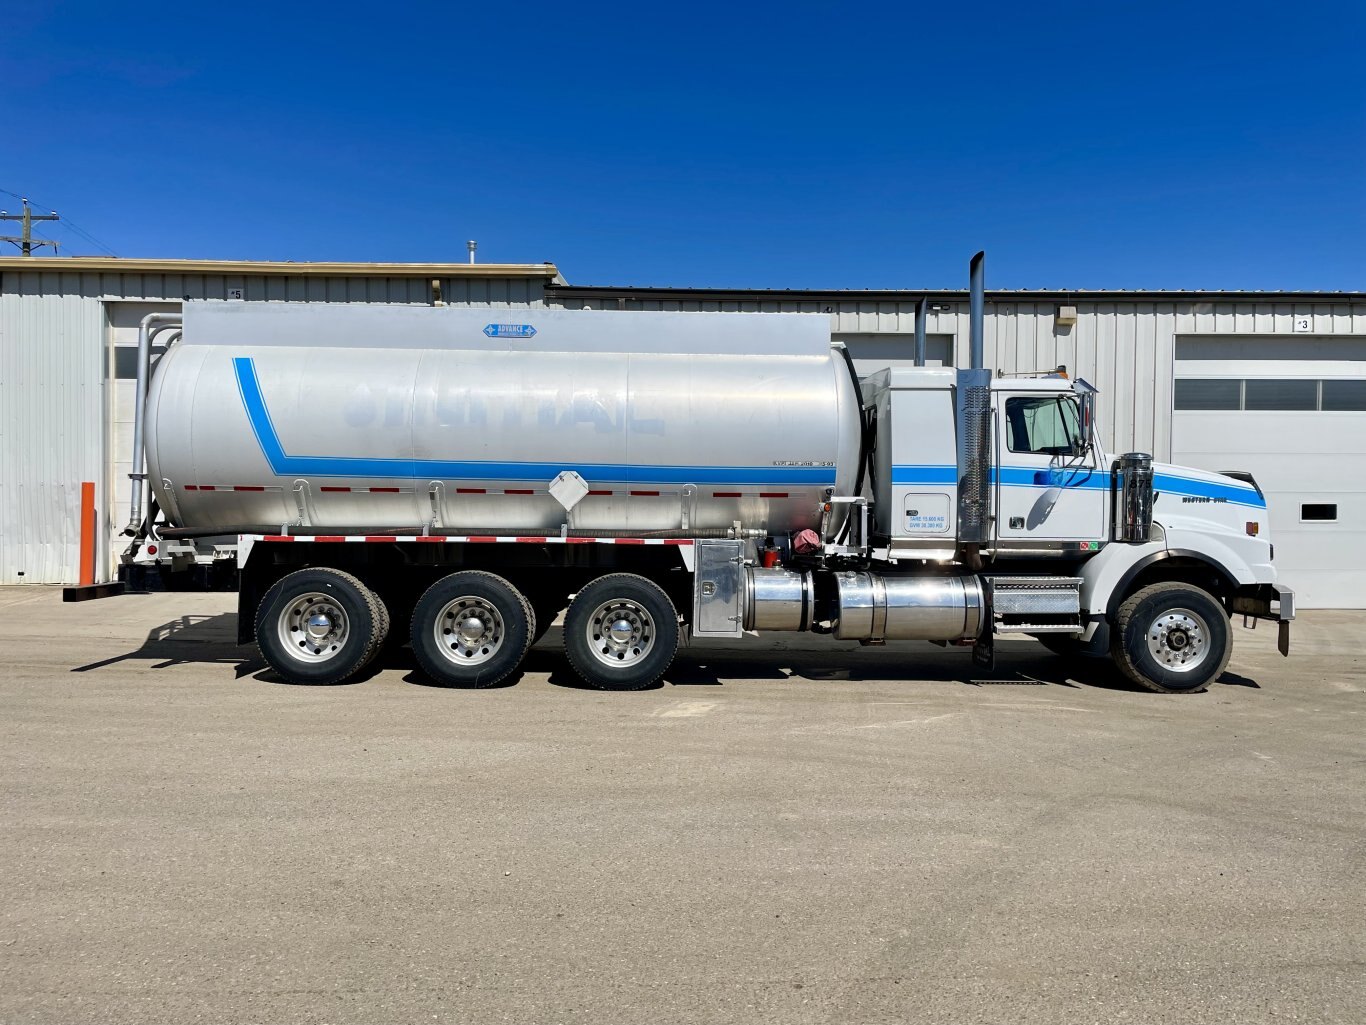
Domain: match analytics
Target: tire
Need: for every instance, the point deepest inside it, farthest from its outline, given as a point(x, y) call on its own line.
point(319, 626)
point(546, 608)
point(471, 629)
point(1172, 638)
point(637, 654)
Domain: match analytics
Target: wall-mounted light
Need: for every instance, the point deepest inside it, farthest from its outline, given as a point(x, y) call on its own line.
point(940, 308)
point(1067, 316)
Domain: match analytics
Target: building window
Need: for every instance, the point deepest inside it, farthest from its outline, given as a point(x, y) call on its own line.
point(1319, 512)
point(125, 361)
point(1208, 393)
point(1344, 396)
point(1269, 394)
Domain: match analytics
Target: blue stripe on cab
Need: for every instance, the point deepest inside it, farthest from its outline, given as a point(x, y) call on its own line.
point(924, 475)
point(1083, 478)
point(1233, 492)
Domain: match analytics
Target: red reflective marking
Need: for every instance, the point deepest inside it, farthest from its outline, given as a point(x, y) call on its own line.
point(481, 539)
point(644, 494)
point(725, 494)
point(580, 540)
point(330, 537)
point(385, 491)
point(207, 487)
point(377, 537)
point(676, 541)
point(599, 492)
point(772, 494)
point(277, 537)
point(532, 540)
point(518, 491)
point(327, 487)
point(470, 491)
point(630, 540)
point(191, 487)
point(247, 487)
point(430, 537)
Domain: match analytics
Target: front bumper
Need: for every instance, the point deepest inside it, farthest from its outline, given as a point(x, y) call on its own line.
point(1268, 601)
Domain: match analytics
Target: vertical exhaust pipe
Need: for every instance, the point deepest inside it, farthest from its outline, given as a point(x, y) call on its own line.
point(976, 307)
point(974, 429)
point(922, 309)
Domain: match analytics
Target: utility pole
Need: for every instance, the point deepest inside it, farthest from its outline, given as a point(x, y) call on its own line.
point(26, 241)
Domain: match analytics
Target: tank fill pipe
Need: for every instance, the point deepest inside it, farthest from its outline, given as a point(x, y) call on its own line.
point(152, 324)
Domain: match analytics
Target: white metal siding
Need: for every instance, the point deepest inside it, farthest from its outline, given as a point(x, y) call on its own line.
point(56, 407)
point(1124, 348)
point(51, 428)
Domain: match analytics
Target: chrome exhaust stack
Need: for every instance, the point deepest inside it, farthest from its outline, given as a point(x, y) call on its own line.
point(972, 409)
point(921, 312)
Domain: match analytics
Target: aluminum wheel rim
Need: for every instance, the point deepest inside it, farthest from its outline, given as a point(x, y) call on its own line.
point(469, 630)
point(620, 632)
point(313, 627)
point(1179, 639)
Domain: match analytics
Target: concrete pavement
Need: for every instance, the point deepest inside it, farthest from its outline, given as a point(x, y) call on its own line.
point(796, 832)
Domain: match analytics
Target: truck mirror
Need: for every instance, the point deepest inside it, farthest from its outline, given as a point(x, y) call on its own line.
point(1087, 394)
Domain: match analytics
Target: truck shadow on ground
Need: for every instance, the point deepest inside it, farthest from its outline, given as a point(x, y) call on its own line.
point(213, 640)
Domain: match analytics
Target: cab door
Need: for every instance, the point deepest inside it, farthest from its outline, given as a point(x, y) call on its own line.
point(1049, 483)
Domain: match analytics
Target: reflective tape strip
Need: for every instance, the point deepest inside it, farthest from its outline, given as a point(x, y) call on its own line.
point(549, 539)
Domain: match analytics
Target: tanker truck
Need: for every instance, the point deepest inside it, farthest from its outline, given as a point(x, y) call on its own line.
point(455, 478)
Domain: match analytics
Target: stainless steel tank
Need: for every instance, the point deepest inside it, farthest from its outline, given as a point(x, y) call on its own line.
point(398, 417)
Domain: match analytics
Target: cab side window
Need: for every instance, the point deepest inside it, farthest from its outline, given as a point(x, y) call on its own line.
point(1047, 425)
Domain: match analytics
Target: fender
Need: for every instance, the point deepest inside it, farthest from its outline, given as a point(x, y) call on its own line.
point(1103, 573)
point(1122, 587)
point(1107, 577)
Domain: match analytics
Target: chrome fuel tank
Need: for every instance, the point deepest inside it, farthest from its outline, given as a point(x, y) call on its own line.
point(395, 417)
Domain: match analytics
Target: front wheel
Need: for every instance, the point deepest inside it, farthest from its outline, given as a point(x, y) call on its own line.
point(1172, 638)
point(621, 632)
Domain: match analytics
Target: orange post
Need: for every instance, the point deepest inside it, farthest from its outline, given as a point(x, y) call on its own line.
point(87, 533)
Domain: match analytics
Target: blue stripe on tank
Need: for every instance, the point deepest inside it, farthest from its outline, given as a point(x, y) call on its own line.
point(285, 465)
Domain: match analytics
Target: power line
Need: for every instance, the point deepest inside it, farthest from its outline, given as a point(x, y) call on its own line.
point(67, 221)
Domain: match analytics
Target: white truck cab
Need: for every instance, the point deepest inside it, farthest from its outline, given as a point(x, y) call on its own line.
point(1116, 538)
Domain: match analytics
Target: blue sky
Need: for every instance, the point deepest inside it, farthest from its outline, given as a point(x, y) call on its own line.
point(1083, 145)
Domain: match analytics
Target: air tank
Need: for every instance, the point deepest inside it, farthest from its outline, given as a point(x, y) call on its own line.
point(391, 418)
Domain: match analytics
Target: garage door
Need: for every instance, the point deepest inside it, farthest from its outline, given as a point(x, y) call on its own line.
point(1292, 411)
point(123, 319)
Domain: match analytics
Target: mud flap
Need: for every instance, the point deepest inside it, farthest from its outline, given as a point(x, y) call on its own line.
point(984, 651)
point(1283, 638)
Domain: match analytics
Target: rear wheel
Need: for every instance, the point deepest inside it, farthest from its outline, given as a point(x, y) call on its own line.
point(1172, 638)
point(471, 629)
point(319, 626)
point(621, 632)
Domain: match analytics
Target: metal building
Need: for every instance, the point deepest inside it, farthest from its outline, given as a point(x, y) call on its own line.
point(1272, 383)
point(68, 337)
